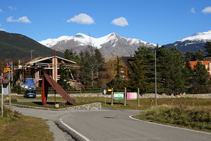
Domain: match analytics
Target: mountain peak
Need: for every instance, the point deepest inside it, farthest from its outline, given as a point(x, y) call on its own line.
point(198, 36)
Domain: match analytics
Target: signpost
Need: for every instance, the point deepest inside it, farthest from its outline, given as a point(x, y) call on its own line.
point(118, 96)
point(151, 102)
point(104, 92)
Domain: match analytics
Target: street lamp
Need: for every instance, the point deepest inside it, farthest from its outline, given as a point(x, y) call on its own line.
point(155, 77)
point(31, 54)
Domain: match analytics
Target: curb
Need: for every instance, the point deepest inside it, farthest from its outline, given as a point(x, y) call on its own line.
point(73, 108)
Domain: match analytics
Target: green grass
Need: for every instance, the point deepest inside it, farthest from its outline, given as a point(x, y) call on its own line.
point(132, 104)
point(193, 117)
point(15, 126)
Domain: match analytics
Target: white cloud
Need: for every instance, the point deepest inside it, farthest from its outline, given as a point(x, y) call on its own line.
point(1, 10)
point(81, 19)
point(12, 7)
point(23, 19)
point(120, 21)
point(192, 10)
point(207, 10)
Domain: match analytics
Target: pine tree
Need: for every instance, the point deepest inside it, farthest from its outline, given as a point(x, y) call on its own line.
point(207, 47)
point(200, 76)
point(64, 77)
point(137, 76)
point(175, 80)
point(147, 58)
point(118, 84)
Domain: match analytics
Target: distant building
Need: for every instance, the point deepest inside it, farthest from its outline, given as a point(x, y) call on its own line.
point(206, 63)
point(36, 68)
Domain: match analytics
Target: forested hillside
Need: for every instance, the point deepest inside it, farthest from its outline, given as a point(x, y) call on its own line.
point(18, 46)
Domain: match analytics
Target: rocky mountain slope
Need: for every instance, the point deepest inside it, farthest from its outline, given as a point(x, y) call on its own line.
point(109, 45)
point(193, 42)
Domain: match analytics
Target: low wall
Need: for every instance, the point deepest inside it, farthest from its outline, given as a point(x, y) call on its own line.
point(91, 106)
point(147, 95)
point(152, 95)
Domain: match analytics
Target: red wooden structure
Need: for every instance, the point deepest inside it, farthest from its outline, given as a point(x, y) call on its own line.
point(48, 81)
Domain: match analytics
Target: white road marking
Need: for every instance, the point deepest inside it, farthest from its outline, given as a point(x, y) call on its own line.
point(85, 138)
point(170, 126)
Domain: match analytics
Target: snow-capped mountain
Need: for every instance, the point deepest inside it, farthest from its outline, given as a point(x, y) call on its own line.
point(109, 45)
point(193, 42)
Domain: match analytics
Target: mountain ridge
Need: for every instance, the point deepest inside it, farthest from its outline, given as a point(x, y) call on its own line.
point(109, 45)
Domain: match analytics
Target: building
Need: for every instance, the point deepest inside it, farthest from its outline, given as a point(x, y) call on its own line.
point(36, 68)
point(206, 63)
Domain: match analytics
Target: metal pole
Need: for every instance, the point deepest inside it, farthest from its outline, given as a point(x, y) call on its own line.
point(155, 80)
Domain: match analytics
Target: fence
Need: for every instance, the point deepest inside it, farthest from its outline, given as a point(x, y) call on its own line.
point(52, 91)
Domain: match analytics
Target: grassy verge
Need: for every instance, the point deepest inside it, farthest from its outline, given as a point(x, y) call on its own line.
point(132, 104)
point(193, 117)
point(23, 128)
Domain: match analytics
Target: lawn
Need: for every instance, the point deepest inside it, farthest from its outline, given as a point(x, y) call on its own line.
point(15, 126)
point(130, 104)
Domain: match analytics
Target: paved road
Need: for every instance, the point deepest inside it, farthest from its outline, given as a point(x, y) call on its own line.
point(116, 125)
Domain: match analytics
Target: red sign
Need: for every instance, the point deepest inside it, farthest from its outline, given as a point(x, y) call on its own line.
point(2, 78)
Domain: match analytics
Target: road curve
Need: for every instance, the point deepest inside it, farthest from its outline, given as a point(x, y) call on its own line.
point(116, 125)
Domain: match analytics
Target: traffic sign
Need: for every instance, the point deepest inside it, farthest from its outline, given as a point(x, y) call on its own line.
point(104, 91)
point(110, 90)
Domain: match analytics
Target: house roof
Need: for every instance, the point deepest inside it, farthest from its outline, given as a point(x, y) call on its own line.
point(193, 63)
point(49, 59)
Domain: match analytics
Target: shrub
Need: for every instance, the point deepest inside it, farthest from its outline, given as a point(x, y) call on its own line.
point(14, 100)
point(193, 117)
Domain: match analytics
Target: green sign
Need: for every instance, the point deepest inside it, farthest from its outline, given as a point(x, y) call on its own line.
point(118, 95)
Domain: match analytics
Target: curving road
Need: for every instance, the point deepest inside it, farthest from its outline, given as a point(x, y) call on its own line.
point(116, 125)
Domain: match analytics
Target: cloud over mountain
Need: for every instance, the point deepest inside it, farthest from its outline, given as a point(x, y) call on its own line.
point(120, 21)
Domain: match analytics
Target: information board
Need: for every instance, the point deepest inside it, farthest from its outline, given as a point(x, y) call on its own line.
point(118, 95)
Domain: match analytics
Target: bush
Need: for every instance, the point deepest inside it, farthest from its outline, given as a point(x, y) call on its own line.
point(192, 117)
point(17, 89)
point(14, 100)
point(61, 104)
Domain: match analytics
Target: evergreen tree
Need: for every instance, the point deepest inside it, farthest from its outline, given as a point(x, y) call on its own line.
point(163, 66)
point(117, 83)
point(176, 81)
point(200, 76)
point(137, 75)
point(147, 58)
point(207, 47)
point(64, 77)
point(199, 55)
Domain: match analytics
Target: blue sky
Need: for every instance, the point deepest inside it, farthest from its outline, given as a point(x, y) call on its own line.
point(154, 21)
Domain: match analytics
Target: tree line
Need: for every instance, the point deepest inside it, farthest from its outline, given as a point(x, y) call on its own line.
point(174, 73)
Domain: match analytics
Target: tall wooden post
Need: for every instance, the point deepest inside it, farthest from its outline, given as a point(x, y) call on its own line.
point(138, 98)
point(125, 97)
point(112, 96)
point(10, 91)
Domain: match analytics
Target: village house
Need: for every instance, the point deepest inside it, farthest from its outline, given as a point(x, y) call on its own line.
point(206, 63)
point(36, 68)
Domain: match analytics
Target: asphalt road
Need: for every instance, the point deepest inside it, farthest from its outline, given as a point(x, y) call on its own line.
point(116, 125)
